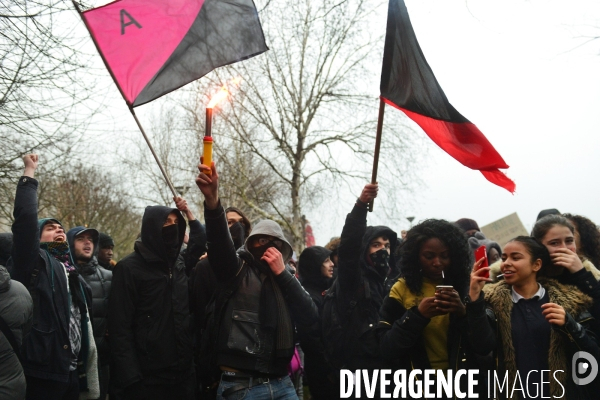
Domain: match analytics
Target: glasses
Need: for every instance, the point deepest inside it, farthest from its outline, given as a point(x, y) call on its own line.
point(265, 240)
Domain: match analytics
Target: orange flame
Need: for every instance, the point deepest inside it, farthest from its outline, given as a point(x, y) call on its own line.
point(217, 98)
point(223, 93)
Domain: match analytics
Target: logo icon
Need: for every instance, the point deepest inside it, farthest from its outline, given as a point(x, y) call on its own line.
point(582, 364)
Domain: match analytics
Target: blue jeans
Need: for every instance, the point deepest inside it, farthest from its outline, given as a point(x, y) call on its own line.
point(276, 389)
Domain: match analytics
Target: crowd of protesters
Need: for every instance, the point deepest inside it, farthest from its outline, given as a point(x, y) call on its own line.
point(226, 311)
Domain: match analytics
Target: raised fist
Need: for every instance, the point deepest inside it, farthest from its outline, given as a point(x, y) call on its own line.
point(31, 161)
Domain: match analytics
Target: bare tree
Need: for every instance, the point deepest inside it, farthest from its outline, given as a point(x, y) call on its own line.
point(45, 83)
point(177, 139)
point(306, 111)
point(83, 196)
point(302, 123)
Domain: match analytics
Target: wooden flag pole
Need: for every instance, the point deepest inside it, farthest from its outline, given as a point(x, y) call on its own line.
point(154, 153)
point(377, 146)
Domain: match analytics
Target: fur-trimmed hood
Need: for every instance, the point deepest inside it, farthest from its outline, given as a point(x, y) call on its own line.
point(498, 296)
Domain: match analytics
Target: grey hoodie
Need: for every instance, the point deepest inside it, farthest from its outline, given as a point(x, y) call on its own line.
point(271, 228)
point(16, 308)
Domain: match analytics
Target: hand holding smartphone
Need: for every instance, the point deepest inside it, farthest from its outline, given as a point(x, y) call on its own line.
point(480, 253)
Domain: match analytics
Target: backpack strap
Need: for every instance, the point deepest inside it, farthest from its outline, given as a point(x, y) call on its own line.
point(4, 328)
point(367, 289)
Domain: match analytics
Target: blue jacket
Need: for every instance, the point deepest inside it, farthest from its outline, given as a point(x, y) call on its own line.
point(46, 351)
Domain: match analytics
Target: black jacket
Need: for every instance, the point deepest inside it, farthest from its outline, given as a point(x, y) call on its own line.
point(46, 351)
point(401, 340)
point(149, 321)
point(100, 281)
point(359, 282)
point(16, 311)
point(244, 279)
point(318, 372)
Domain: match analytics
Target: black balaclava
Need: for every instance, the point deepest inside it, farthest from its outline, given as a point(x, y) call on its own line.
point(257, 252)
point(238, 234)
point(170, 236)
point(380, 262)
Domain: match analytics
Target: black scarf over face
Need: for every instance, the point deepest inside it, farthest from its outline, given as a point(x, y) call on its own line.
point(381, 262)
point(238, 234)
point(170, 236)
point(257, 253)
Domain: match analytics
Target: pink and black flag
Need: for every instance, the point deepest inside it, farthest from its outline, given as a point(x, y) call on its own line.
point(152, 47)
point(408, 84)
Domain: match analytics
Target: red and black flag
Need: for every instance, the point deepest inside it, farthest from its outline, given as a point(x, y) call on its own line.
point(152, 47)
point(408, 84)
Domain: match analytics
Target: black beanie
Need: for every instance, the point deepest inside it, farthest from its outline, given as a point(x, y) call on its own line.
point(549, 211)
point(467, 224)
point(105, 241)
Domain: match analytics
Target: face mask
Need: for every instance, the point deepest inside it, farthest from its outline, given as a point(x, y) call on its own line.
point(170, 237)
point(257, 252)
point(380, 261)
point(238, 233)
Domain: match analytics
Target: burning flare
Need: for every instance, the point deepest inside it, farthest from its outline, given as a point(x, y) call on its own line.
point(223, 93)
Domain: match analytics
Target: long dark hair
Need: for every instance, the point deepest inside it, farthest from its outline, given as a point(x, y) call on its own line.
point(543, 225)
point(461, 256)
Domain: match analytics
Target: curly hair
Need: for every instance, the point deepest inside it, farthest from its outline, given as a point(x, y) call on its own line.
point(461, 256)
point(333, 244)
point(589, 237)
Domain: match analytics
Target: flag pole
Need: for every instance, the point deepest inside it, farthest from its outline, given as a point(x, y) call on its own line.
point(130, 106)
point(137, 121)
point(377, 146)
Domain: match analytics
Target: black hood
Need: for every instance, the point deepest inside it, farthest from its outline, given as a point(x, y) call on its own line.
point(309, 266)
point(6, 242)
point(152, 223)
point(373, 232)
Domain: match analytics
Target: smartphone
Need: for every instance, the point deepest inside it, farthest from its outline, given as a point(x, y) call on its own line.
point(480, 253)
point(441, 287)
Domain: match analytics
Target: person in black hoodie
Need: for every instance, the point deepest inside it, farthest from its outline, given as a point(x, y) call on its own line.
point(316, 270)
point(203, 285)
point(149, 321)
point(259, 303)
point(349, 319)
point(84, 242)
point(57, 355)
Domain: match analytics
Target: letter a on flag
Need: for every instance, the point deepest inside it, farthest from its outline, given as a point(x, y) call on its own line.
point(408, 84)
point(152, 47)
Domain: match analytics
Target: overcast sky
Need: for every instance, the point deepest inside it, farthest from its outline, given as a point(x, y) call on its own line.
point(513, 68)
point(520, 71)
